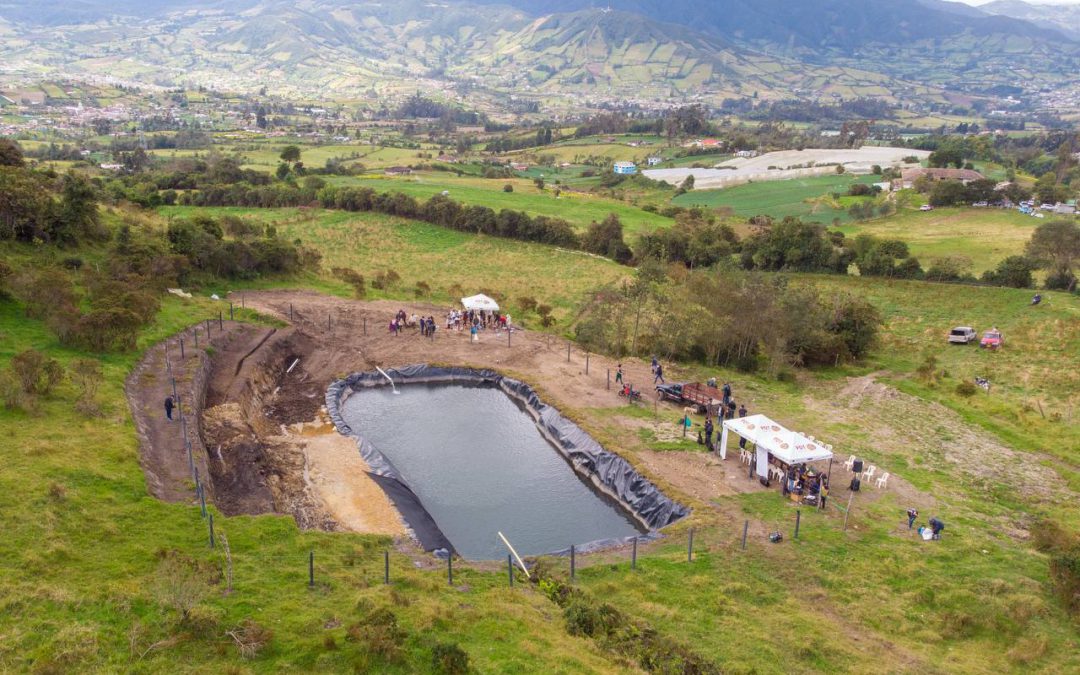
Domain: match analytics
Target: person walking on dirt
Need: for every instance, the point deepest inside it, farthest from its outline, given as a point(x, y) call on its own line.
point(659, 374)
point(655, 364)
point(708, 433)
point(168, 407)
point(618, 374)
point(912, 514)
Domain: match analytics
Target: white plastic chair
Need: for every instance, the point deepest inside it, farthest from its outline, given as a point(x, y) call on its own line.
point(869, 473)
point(849, 462)
point(883, 480)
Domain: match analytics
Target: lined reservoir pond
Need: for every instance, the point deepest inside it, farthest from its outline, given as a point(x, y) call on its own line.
point(479, 466)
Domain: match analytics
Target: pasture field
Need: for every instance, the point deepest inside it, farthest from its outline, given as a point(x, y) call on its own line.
point(805, 198)
point(984, 236)
point(83, 540)
point(370, 243)
point(578, 208)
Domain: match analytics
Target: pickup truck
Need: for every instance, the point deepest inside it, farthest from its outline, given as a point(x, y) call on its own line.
point(691, 393)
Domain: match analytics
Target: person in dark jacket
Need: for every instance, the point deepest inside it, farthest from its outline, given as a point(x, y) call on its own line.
point(168, 407)
point(912, 514)
point(659, 374)
point(742, 441)
point(727, 392)
point(936, 526)
point(708, 433)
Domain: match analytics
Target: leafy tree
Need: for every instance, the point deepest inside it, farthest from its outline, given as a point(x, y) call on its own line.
point(606, 239)
point(1013, 272)
point(10, 153)
point(290, 154)
point(1055, 246)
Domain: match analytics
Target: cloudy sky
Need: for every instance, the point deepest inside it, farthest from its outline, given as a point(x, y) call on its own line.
point(1033, 2)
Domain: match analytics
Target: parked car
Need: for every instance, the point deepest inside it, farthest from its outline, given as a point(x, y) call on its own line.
point(962, 335)
point(992, 339)
point(926, 207)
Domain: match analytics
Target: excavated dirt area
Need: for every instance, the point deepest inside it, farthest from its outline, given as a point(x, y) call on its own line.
point(269, 447)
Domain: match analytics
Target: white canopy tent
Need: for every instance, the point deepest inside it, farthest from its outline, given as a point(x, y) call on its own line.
point(770, 438)
point(480, 302)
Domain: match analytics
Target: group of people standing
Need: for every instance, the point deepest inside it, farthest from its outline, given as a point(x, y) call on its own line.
point(460, 319)
point(727, 410)
point(401, 321)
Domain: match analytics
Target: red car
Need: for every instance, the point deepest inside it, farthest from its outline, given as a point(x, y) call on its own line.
point(992, 339)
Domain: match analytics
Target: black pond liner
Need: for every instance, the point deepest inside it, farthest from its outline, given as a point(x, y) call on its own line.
point(610, 474)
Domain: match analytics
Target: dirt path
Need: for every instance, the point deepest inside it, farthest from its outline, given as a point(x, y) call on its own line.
point(162, 453)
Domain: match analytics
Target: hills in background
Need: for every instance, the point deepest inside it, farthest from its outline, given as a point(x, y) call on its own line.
point(1062, 18)
point(555, 52)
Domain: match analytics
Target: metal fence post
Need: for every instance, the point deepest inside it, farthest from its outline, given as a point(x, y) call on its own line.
point(386, 567)
point(450, 569)
point(609, 379)
point(311, 569)
point(568, 352)
point(633, 555)
point(290, 311)
point(181, 349)
point(220, 321)
point(798, 517)
point(232, 316)
point(573, 562)
point(745, 528)
point(211, 526)
point(690, 547)
point(510, 568)
point(586, 363)
point(202, 499)
point(196, 337)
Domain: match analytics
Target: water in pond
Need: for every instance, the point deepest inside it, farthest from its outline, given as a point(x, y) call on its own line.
point(480, 466)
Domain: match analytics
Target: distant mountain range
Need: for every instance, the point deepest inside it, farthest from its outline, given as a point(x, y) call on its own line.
point(1062, 18)
point(552, 51)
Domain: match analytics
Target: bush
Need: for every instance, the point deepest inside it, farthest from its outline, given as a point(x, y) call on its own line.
point(36, 373)
point(73, 263)
point(87, 374)
point(449, 659)
point(527, 303)
point(385, 280)
point(509, 187)
point(1060, 281)
point(250, 638)
point(353, 278)
point(422, 290)
point(966, 389)
point(379, 633)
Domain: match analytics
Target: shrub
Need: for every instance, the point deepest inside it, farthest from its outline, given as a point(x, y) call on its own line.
point(353, 278)
point(449, 659)
point(966, 389)
point(527, 303)
point(179, 585)
point(250, 638)
point(509, 187)
point(87, 374)
point(73, 263)
point(379, 633)
point(422, 290)
point(386, 280)
point(37, 374)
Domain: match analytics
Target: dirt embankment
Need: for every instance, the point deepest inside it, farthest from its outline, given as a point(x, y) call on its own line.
point(271, 450)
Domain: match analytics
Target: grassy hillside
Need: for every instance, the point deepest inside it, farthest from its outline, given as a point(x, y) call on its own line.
point(578, 208)
point(370, 243)
point(83, 540)
point(985, 236)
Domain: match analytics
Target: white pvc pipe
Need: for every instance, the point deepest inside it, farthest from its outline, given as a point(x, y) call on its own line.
point(388, 378)
point(516, 556)
point(292, 366)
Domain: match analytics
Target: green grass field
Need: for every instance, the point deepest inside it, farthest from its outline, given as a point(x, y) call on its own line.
point(985, 236)
point(805, 198)
point(82, 538)
point(578, 208)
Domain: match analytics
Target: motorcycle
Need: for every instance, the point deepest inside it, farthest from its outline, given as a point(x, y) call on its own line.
point(630, 394)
